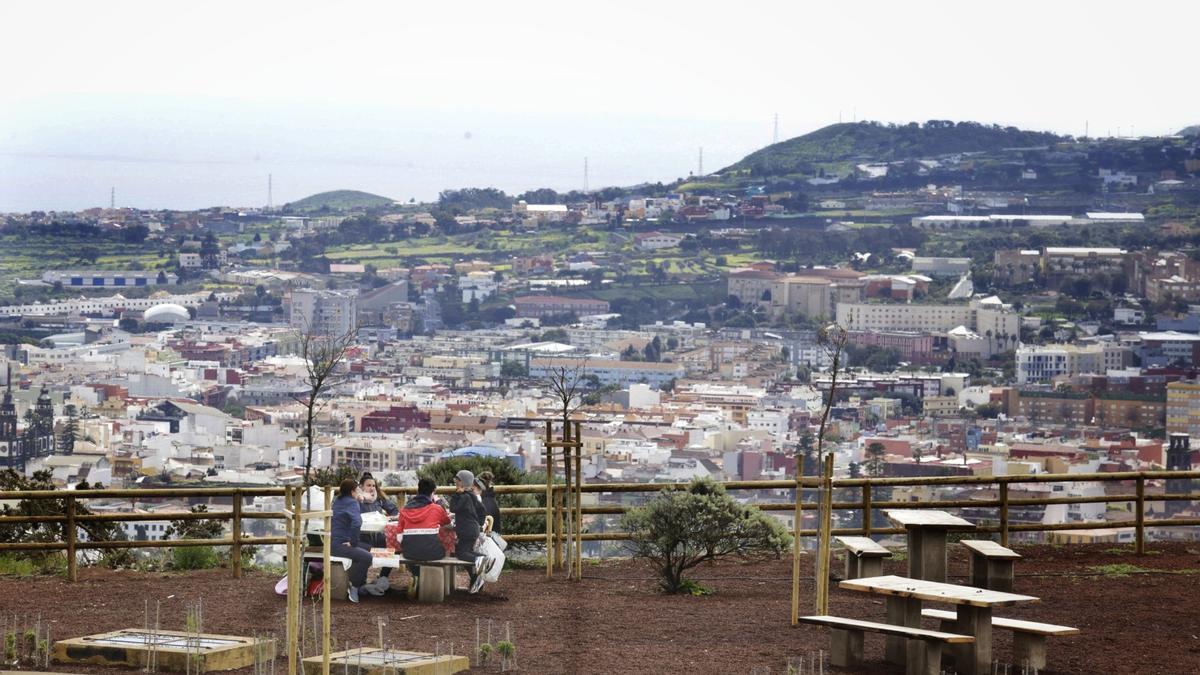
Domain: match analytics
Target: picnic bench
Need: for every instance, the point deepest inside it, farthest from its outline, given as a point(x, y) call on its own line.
point(991, 564)
point(927, 532)
point(438, 578)
point(846, 642)
point(864, 557)
point(903, 603)
point(1029, 637)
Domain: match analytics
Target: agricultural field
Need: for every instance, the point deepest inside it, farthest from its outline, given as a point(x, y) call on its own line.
point(27, 258)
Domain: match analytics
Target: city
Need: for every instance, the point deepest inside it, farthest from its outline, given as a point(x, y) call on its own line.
point(825, 335)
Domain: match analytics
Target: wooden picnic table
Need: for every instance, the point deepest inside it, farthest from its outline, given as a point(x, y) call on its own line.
point(904, 597)
point(927, 532)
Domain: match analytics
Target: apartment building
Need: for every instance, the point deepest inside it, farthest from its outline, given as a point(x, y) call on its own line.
point(610, 371)
point(1183, 407)
point(1043, 363)
point(541, 306)
point(985, 317)
point(323, 313)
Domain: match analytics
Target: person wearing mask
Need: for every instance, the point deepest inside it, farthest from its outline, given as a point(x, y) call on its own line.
point(468, 522)
point(485, 482)
point(371, 501)
point(346, 536)
point(419, 522)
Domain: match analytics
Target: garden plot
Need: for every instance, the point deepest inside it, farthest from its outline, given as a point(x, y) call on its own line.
point(375, 661)
point(168, 650)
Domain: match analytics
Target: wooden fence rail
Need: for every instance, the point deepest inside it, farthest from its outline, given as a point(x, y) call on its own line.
point(71, 519)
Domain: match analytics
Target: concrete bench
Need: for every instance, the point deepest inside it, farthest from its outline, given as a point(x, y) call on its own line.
point(864, 557)
point(991, 564)
point(846, 642)
point(1029, 637)
point(437, 577)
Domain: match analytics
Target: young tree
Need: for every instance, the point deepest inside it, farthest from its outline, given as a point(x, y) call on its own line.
point(322, 355)
point(676, 531)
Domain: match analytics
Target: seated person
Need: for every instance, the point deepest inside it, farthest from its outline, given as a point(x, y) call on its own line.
point(468, 523)
point(370, 501)
point(420, 520)
point(346, 535)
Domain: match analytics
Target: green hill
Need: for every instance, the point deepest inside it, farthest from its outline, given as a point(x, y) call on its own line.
point(338, 200)
point(871, 141)
point(1193, 130)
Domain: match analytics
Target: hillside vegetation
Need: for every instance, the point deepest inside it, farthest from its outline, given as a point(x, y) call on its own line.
point(338, 200)
point(871, 141)
point(1193, 130)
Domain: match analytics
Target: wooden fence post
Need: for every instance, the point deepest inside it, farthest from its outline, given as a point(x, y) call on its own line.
point(578, 534)
point(1141, 515)
point(549, 500)
point(1004, 514)
point(866, 509)
point(72, 558)
point(236, 551)
point(326, 548)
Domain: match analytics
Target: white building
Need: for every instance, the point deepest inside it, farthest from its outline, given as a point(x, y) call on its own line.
point(941, 267)
point(1043, 363)
point(327, 313)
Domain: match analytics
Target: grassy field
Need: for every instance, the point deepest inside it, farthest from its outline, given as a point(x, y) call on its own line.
point(22, 258)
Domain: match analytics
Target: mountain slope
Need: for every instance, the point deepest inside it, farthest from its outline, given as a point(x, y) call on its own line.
point(1193, 130)
point(875, 142)
point(338, 200)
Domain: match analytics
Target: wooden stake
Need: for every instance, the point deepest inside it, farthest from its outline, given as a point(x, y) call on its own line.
point(294, 505)
point(824, 529)
point(72, 559)
point(326, 550)
point(236, 551)
point(549, 500)
point(1004, 514)
point(798, 518)
point(578, 503)
point(1140, 516)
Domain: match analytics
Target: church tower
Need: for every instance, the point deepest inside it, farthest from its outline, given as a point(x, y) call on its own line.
point(8, 412)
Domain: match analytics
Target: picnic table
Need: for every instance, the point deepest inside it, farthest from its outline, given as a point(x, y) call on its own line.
point(927, 532)
point(904, 597)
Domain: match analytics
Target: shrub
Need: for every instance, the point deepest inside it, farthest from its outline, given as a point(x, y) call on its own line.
point(678, 530)
point(506, 473)
point(194, 558)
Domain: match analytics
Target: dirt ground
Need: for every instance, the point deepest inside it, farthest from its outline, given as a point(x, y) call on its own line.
point(1138, 614)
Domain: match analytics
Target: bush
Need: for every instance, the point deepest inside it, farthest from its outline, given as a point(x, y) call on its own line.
point(194, 558)
point(677, 531)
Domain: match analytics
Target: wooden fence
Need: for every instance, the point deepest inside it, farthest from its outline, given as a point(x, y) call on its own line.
point(68, 517)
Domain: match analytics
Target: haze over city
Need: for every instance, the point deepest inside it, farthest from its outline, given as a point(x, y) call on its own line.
point(186, 107)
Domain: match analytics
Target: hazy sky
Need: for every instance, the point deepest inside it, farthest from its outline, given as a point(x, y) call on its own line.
point(193, 104)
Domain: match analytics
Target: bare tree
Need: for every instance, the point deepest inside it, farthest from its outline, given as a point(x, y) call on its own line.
point(833, 340)
point(322, 354)
point(566, 384)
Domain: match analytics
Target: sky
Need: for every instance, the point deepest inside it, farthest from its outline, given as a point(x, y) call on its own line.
point(188, 105)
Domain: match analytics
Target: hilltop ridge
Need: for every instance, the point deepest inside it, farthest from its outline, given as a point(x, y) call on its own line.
point(873, 141)
point(338, 200)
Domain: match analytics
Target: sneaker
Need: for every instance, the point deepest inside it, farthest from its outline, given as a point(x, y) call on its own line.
point(373, 589)
point(476, 583)
point(353, 593)
point(383, 583)
point(412, 588)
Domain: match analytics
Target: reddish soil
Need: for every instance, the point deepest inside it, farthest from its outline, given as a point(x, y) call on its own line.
point(614, 621)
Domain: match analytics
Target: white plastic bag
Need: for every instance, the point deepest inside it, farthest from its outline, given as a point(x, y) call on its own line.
point(494, 562)
point(498, 541)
